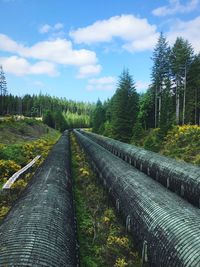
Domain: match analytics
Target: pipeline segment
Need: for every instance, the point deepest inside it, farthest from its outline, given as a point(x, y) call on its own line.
point(40, 229)
point(179, 177)
point(165, 226)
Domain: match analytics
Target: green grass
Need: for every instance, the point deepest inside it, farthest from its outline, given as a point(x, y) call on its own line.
point(24, 140)
point(102, 237)
point(12, 131)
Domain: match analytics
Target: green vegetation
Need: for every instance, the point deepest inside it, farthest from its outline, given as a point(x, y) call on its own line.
point(21, 141)
point(98, 118)
point(62, 121)
point(124, 108)
point(14, 130)
point(153, 140)
point(103, 240)
point(183, 143)
point(116, 118)
point(173, 98)
point(55, 120)
point(72, 113)
point(78, 120)
point(18, 151)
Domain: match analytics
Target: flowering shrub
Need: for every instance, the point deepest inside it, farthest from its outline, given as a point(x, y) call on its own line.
point(13, 158)
point(120, 262)
point(7, 168)
point(153, 140)
point(119, 241)
point(183, 143)
point(2, 146)
point(3, 211)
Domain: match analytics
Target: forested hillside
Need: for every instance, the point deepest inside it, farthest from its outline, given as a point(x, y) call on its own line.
point(172, 99)
point(76, 114)
point(20, 142)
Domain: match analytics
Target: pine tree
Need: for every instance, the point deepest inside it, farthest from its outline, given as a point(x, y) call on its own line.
point(124, 108)
point(160, 75)
point(98, 118)
point(48, 118)
point(180, 58)
point(3, 89)
point(60, 122)
point(192, 114)
point(147, 109)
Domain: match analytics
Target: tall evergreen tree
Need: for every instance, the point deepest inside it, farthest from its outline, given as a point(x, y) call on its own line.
point(160, 76)
point(147, 109)
point(181, 57)
point(60, 122)
point(48, 118)
point(192, 114)
point(3, 89)
point(124, 108)
point(98, 118)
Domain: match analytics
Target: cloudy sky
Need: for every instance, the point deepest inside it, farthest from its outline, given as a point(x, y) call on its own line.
point(77, 49)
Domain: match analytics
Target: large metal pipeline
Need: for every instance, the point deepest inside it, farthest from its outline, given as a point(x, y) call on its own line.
point(165, 227)
point(180, 177)
point(40, 228)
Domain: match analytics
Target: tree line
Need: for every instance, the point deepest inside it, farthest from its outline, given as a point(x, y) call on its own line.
point(173, 98)
point(75, 114)
point(35, 105)
point(116, 117)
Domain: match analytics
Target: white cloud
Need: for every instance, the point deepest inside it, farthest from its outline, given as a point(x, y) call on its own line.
point(7, 44)
point(47, 28)
point(59, 51)
point(20, 66)
point(142, 44)
point(141, 86)
point(106, 83)
point(175, 7)
point(88, 70)
point(131, 29)
point(188, 30)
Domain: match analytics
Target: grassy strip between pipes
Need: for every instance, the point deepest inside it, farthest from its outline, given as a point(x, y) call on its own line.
point(103, 239)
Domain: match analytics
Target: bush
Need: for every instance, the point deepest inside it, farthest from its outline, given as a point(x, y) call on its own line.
point(138, 134)
point(48, 119)
point(108, 131)
point(153, 141)
point(7, 168)
point(183, 142)
point(13, 152)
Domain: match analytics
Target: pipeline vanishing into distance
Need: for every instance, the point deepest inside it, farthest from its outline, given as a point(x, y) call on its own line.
point(40, 229)
point(179, 177)
point(164, 226)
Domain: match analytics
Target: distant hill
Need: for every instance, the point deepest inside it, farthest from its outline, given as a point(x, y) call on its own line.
point(76, 114)
point(12, 131)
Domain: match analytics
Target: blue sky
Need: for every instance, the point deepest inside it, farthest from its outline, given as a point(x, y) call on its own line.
point(77, 49)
